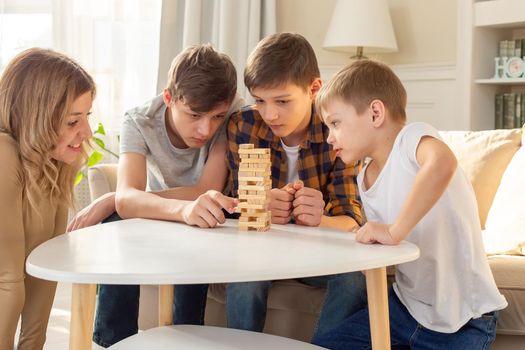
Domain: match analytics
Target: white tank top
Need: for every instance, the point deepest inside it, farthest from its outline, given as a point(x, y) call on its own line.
point(451, 282)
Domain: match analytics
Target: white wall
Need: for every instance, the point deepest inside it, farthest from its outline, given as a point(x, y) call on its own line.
point(426, 32)
point(425, 29)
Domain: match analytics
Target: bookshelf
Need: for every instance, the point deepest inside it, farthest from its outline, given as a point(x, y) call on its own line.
point(482, 24)
point(509, 81)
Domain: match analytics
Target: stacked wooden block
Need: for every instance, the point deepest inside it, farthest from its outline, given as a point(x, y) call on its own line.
point(255, 184)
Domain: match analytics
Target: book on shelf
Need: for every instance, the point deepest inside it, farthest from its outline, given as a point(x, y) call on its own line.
point(498, 111)
point(503, 48)
point(509, 110)
point(509, 101)
point(521, 119)
point(511, 48)
point(517, 110)
point(517, 47)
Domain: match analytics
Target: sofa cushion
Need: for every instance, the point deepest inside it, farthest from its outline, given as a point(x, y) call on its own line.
point(505, 226)
point(508, 273)
point(484, 155)
point(102, 179)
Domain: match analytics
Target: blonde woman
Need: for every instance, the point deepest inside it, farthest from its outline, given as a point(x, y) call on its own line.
point(45, 101)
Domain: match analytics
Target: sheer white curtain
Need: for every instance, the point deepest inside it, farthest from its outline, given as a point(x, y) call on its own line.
point(232, 26)
point(117, 41)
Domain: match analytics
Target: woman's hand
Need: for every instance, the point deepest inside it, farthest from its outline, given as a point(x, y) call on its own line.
point(94, 213)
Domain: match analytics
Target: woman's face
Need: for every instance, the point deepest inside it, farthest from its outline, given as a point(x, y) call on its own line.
point(74, 131)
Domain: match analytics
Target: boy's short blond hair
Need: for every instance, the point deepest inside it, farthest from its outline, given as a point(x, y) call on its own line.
point(279, 59)
point(202, 78)
point(360, 83)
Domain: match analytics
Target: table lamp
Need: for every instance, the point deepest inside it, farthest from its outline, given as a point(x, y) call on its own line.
point(359, 24)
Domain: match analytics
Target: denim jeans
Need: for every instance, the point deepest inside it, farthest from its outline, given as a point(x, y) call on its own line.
point(118, 308)
point(407, 333)
point(345, 294)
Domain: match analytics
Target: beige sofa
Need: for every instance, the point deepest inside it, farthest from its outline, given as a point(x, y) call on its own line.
point(485, 157)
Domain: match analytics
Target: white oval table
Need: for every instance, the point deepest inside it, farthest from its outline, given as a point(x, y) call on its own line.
point(140, 251)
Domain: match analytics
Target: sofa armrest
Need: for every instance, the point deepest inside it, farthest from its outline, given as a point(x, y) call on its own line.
point(102, 179)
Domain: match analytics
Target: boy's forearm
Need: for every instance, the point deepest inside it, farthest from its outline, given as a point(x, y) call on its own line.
point(339, 222)
point(186, 193)
point(429, 185)
point(139, 204)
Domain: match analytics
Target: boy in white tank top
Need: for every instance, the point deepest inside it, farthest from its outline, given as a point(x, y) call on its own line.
point(411, 189)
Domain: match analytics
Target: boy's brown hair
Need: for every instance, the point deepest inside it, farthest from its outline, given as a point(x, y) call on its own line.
point(360, 83)
point(202, 78)
point(279, 59)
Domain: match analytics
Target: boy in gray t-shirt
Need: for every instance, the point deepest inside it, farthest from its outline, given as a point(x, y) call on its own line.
point(171, 167)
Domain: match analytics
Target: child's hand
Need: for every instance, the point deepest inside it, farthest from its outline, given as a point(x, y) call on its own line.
point(281, 204)
point(374, 232)
point(308, 206)
point(206, 210)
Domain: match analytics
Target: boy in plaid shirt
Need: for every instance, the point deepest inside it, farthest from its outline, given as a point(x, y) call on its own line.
point(310, 186)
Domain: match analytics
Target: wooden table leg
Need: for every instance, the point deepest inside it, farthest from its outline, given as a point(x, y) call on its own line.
point(376, 288)
point(165, 305)
point(83, 300)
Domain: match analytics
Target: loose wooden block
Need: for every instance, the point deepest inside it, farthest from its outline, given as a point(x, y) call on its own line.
point(264, 215)
point(254, 212)
point(246, 156)
point(257, 228)
point(254, 178)
point(254, 151)
point(265, 202)
point(246, 146)
point(259, 219)
point(252, 168)
point(253, 224)
point(251, 196)
point(250, 157)
point(252, 206)
point(255, 160)
point(247, 174)
point(254, 188)
point(244, 182)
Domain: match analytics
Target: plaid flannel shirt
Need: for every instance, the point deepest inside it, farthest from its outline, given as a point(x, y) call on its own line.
point(317, 165)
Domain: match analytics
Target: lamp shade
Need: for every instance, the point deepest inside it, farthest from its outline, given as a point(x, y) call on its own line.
point(360, 23)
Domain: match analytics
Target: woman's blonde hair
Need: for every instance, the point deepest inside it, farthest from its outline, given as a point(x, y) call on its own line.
point(37, 89)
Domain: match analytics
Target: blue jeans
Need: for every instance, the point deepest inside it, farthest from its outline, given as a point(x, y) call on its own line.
point(345, 294)
point(407, 333)
point(118, 308)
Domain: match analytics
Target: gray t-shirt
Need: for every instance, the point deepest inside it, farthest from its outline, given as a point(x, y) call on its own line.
point(144, 132)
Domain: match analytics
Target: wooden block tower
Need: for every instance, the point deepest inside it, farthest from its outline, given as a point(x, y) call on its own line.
point(255, 184)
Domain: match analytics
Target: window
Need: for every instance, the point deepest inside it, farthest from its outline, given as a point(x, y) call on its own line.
point(116, 41)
